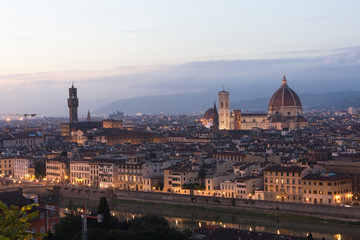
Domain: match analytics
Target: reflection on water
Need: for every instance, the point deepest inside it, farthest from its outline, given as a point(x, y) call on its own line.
point(186, 219)
point(185, 223)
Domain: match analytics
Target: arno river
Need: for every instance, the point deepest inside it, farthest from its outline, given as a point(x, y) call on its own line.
point(188, 219)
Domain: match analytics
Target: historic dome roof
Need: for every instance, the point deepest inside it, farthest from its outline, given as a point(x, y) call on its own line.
point(284, 97)
point(209, 114)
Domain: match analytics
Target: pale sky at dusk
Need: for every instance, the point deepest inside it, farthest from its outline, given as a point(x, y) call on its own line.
point(44, 45)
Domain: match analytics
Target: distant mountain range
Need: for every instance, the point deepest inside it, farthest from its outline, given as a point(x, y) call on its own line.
point(197, 102)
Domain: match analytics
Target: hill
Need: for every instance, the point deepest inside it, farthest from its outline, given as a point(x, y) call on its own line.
point(197, 102)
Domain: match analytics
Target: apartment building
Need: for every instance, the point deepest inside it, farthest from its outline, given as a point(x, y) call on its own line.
point(21, 168)
point(58, 170)
point(130, 176)
point(176, 176)
point(245, 186)
point(6, 167)
point(284, 182)
point(80, 172)
point(327, 188)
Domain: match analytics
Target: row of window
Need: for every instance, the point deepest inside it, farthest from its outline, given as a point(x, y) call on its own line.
point(282, 180)
point(329, 183)
point(283, 174)
point(329, 193)
point(278, 188)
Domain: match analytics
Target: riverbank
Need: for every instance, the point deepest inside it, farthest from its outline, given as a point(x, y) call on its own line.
point(233, 210)
point(294, 210)
point(191, 217)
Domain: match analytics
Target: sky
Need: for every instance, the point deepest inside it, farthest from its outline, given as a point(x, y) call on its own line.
point(115, 49)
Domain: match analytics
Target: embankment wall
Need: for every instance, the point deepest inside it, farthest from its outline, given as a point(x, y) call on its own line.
point(308, 209)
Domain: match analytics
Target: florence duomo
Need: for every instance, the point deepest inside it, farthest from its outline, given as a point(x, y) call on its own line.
point(284, 112)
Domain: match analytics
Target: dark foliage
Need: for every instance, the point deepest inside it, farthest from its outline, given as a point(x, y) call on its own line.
point(144, 228)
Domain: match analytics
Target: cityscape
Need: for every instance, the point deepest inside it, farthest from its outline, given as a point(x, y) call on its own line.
point(266, 162)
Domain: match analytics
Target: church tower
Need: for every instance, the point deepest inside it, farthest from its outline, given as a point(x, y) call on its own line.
point(224, 110)
point(215, 119)
point(88, 118)
point(73, 103)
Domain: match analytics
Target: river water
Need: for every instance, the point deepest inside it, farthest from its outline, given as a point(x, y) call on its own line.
point(188, 219)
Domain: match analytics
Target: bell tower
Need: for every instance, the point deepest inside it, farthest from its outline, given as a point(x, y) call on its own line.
point(73, 103)
point(224, 110)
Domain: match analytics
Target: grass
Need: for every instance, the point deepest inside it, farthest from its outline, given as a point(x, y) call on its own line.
point(240, 211)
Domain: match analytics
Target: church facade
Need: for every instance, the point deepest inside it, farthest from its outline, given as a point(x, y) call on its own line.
point(284, 111)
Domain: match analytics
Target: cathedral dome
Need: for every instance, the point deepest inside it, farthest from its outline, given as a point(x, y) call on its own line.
point(209, 114)
point(284, 97)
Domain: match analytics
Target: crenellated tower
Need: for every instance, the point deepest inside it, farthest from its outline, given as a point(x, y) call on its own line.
point(73, 104)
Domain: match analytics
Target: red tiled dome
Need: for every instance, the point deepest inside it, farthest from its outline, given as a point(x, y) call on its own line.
point(284, 96)
point(209, 114)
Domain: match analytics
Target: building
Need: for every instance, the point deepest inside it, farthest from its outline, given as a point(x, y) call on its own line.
point(68, 130)
point(112, 136)
point(224, 112)
point(103, 174)
point(28, 139)
point(177, 177)
point(284, 111)
point(350, 169)
point(327, 188)
point(80, 172)
point(6, 167)
point(58, 170)
point(211, 118)
point(21, 168)
point(284, 183)
point(245, 187)
point(130, 176)
point(352, 110)
point(73, 104)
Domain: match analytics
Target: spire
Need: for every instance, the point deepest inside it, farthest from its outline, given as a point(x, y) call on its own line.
point(72, 85)
point(284, 81)
point(215, 107)
point(88, 116)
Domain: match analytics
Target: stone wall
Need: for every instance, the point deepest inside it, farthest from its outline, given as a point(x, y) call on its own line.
point(308, 209)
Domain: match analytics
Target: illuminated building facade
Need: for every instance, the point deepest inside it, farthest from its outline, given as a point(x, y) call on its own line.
point(327, 188)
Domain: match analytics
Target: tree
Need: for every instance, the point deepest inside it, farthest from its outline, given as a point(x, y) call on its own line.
point(66, 228)
point(15, 222)
point(151, 227)
point(202, 174)
point(40, 169)
point(103, 208)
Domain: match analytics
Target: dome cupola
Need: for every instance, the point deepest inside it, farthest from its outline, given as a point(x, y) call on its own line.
point(285, 101)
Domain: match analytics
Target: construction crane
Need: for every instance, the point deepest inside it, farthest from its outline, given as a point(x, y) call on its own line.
point(24, 116)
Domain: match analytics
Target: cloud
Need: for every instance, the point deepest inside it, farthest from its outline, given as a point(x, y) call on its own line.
point(46, 92)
